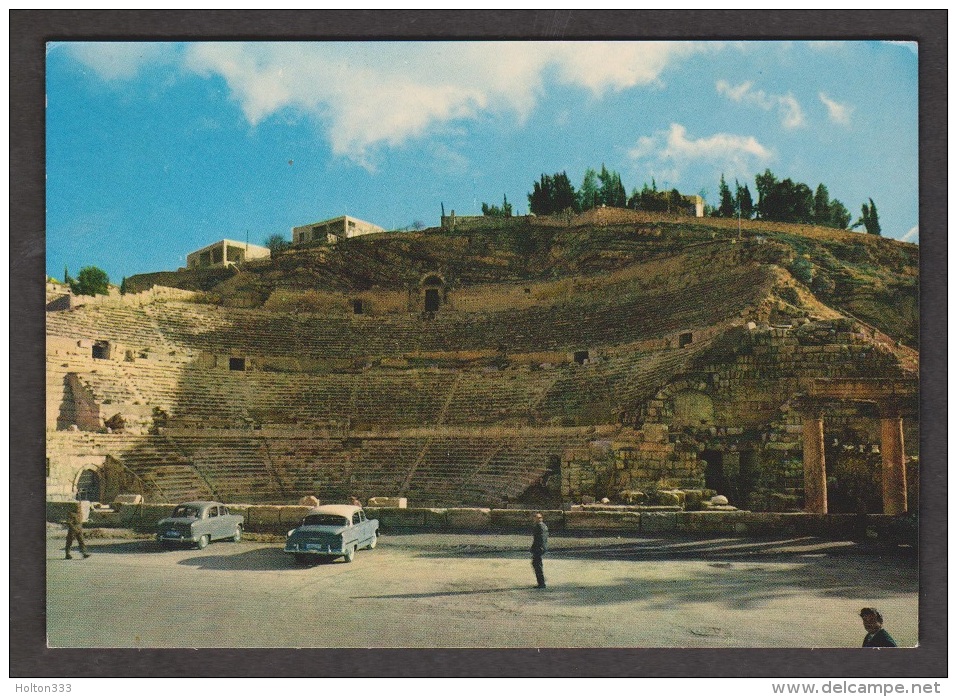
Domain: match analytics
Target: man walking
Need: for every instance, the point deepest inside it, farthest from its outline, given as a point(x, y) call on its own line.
point(74, 531)
point(539, 548)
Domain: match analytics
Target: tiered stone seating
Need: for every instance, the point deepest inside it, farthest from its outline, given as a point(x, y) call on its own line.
point(124, 324)
point(165, 475)
point(630, 314)
point(483, 470)
point(236, 467)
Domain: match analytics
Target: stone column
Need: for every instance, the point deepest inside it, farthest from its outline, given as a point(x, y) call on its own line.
point(892, 456)
point(815, 479)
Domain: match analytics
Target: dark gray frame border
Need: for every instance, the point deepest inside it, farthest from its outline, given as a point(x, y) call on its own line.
point(29, 30)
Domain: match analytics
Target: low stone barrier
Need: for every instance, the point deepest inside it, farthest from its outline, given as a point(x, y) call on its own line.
point(469, 518)
point(659, 522)
point(512, 519)
point(278, 520)
point(625, 521)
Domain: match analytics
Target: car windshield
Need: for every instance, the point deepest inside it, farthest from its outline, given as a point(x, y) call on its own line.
point(185, 512)
point(324, 519)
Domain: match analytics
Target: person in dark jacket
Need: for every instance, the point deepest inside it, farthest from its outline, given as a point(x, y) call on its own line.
point(877, 636)
point(74, 531)
point(539, 548)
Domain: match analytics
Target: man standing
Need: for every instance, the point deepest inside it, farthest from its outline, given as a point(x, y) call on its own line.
point(877, 636)
point(74, 531)
point(539, 548)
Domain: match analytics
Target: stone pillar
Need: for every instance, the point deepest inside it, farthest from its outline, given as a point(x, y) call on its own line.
point(892, 456)
point(815, 479)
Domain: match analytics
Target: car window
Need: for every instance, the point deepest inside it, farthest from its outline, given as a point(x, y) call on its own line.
point(185, 512)
point(223, 510)
point(355, 518)
point(362, 515)
point(213, 512)
point(325, 519)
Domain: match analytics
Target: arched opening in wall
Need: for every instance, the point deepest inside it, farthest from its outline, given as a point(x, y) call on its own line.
point(237, 364)
point(684, 339)
point(357, 307)
point(714, 470)
point(580, 357)
point(692, 408)
point(101, 350)
point(88, 486)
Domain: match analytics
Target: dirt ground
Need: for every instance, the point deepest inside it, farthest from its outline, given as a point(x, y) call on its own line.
point(476, 590)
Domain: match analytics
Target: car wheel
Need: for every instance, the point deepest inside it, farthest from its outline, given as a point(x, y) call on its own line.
point(238, 534)
point(375, 541)
point(203, 541)
point(350, 555)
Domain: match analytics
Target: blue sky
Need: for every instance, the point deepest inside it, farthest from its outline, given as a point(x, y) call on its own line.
point(157, 149)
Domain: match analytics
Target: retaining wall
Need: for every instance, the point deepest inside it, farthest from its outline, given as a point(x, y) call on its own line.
point(279, 519)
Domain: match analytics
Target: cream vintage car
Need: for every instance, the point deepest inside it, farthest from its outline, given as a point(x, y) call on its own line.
point(327, 532)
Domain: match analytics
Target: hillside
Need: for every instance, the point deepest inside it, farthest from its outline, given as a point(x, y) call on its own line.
point(869, 278)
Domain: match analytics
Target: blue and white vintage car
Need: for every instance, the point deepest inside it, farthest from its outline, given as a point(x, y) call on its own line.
point(332, 531)
point(199, 523)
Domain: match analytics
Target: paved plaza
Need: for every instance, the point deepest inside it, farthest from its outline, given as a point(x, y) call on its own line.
point(475, 590)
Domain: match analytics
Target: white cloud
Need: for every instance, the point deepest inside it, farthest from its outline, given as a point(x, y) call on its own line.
point(118, 60)
point(911, 235)
point(673, 149)
point(788, 108)
point(839, 113)
point(369, 94)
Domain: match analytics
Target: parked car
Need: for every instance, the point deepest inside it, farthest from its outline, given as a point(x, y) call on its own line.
point(333, 531)
point(199, 523)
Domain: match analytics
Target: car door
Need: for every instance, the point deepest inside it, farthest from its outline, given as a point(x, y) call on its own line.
point(358, 522)
point(213, 523)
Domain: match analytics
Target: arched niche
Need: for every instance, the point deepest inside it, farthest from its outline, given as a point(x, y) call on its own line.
point(692, 408)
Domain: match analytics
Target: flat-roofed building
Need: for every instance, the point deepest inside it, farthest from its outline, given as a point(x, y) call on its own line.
point(333, 230)
point(225, 253)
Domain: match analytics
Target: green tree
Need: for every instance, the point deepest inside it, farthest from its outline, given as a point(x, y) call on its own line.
point(745, 202)
point(552, 194)
point(611, 192)
point(726, 203)
point(276, 244)
point(869, 219)
point(495, 212)
point(66, 276)
point(91, 281)
point(765, 184)
point(124, 287)
point(822, 206)
point(588, 193)
point(839, 217)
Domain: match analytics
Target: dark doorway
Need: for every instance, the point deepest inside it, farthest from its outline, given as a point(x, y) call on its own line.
point(88, 486)
point(237, 364)
point(581, 357)
point(357, 307)
point(684, 339)
point(101, 350)
point(748, 476)
point(432, 300)
point(714, 470)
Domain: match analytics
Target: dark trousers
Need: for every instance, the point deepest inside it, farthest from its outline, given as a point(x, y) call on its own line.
point(77, 535)
point(539, 569)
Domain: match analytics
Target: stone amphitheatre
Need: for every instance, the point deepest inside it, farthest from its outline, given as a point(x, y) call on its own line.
point(651, 360)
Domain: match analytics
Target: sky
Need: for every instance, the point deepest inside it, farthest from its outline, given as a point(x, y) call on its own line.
point(154, 150)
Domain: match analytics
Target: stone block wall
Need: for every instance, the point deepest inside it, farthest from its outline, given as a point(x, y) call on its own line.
point(277, 520)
